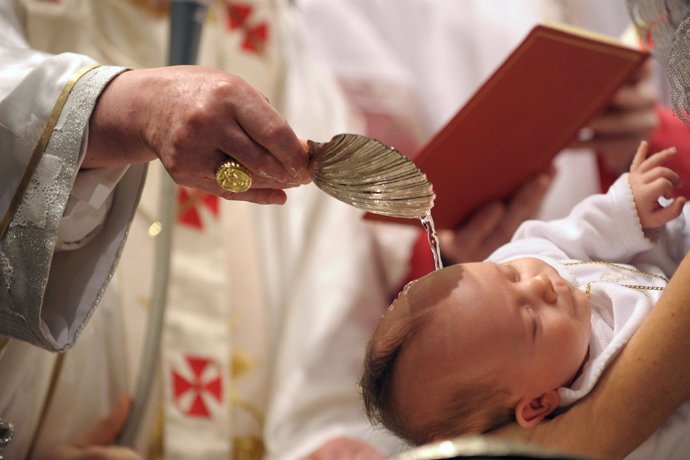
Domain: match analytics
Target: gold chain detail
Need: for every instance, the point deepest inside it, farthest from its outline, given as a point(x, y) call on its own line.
point(619, 267)
point(643, 288)
point(639, 287)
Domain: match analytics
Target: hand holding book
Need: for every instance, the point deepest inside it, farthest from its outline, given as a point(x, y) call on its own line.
point(549, 87)
point(628, 119)
point(493, 224)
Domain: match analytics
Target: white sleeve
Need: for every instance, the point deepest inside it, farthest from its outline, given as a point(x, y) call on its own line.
point(603, 226)
point(82, 216)
point(45, 104)
point(88, 206)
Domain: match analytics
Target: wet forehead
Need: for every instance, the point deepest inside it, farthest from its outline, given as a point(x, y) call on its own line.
point(463, 332)
point(435, 287)
point(454, 298)
point(468, 301)
point(417, 298)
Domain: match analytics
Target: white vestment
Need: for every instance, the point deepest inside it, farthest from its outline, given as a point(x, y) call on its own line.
point(45, 104)
point(63, 229)
point(269, 307)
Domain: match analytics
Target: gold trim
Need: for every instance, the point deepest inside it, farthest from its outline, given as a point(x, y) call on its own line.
point(156, 444)
point(638, 287)
point(617, 266)
point(157, 8)
point(41, 146)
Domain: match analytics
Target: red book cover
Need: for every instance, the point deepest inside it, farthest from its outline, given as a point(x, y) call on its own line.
point(532, 106)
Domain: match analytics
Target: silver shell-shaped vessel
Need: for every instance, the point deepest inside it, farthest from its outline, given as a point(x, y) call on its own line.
point(369, 175)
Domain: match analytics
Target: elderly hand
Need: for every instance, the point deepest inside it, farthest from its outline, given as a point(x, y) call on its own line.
point(650, 180)
point(628, 119)
point(343, 448)
point(192, 119)
point(494, 224)
point(97, 443)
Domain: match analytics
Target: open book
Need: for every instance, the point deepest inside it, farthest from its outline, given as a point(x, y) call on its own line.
point(532, 106)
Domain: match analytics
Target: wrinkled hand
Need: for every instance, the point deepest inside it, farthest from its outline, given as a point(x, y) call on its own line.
point(628, 119)
point(343, 448)
point(192, 118)
point(494, 224)
point(97, 443)
point(650, 180)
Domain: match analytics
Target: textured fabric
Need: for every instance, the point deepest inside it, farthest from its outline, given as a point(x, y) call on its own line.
point(47, 295)
point(28, 248)
point(297, 310)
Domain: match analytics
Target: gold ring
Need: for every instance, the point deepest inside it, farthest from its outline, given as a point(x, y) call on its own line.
point(233, 177)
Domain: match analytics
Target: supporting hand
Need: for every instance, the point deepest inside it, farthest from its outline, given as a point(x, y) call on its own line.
point(628, 119)
point(97, 443)
point(494, 224)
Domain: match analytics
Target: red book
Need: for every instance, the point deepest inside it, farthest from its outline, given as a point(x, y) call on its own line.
point(532, 106)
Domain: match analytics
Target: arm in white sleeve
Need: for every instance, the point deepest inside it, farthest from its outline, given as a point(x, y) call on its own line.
point(88, 206)
point(45, 103)
point(603, 226)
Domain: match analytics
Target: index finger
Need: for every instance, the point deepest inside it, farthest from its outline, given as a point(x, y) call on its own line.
point(266, 127)
point(640, 156)
point(657, 159)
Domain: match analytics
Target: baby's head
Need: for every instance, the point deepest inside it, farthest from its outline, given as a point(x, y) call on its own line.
point(474, 346)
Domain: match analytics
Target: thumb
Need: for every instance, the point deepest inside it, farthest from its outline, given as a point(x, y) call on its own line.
point(106, 429)
point(670, 212)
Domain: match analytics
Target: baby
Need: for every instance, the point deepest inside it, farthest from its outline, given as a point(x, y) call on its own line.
point(474, 346)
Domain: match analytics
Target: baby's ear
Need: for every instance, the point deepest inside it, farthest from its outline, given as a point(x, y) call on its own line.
point(530, 412)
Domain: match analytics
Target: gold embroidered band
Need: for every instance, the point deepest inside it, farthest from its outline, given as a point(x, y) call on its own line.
point(41, 146)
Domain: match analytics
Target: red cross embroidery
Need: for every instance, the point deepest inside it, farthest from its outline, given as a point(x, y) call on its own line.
point(255, 38)
point(238, 14)
point(204, 387)
point(255, 35)
point(189, 201)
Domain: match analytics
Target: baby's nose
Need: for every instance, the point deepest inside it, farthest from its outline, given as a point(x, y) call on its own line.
point(544, 288)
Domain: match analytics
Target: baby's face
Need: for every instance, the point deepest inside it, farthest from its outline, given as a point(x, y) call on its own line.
point(518, 324)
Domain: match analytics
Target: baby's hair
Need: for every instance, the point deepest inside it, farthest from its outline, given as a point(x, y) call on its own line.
point(379, 363)
point(476, 407)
